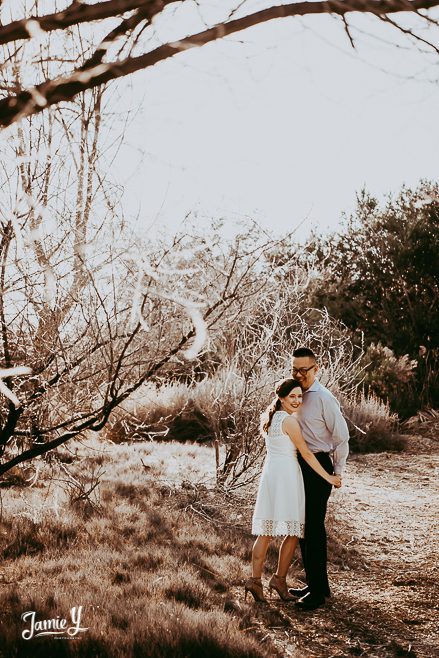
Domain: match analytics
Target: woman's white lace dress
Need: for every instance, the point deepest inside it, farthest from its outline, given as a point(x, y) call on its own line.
point(280, 503)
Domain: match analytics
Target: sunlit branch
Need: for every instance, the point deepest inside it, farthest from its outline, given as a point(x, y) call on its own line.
point(76, 14)
point(65, 88)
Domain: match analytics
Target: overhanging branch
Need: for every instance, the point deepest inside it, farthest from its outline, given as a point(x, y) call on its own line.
point(76, 14)
point(65, 88)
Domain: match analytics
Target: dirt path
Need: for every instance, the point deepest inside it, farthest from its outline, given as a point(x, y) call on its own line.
point(384, 566)
point(390, 508)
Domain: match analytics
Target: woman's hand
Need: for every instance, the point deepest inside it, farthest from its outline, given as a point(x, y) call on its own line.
point(335, 480)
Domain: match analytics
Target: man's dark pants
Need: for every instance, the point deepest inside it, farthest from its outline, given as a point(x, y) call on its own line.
point(313, 545)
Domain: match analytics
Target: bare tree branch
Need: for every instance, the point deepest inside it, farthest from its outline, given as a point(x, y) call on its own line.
point(65, 88)
point(348, 32)
point(76, 14)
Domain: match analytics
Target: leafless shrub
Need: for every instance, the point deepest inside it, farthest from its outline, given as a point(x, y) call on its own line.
point(259, 356)
point(95, 326)
point(83, 488)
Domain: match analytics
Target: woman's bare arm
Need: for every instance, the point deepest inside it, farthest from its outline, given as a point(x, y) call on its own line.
point(292, 428)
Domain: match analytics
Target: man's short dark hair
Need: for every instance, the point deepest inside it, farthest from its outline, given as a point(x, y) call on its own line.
point(304, 351)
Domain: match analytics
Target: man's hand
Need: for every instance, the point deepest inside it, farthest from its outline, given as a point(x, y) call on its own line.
point(339, 483)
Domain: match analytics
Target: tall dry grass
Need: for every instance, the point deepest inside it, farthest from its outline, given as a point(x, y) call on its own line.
point(373, 426)
point(151, 413)
point(226, 408)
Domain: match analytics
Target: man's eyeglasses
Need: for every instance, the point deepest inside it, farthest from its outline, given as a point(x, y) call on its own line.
point(302, 371)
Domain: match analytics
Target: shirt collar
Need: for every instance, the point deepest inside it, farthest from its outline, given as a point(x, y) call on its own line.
point(316, 386)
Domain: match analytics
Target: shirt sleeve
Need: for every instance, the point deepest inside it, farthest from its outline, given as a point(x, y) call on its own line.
point(338, 428)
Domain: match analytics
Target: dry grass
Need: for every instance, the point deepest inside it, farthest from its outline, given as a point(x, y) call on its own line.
point(159, 566)
point(224, 408)
point(143, 547)
point(373, 427)
point(209, 409)
point(166, 412)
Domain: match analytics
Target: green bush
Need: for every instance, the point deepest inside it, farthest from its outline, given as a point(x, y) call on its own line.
point(379, 275)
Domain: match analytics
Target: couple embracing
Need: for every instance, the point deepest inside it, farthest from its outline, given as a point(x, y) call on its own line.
point(306, 439)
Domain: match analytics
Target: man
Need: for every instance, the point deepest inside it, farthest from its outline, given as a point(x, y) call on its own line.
point(326, 433)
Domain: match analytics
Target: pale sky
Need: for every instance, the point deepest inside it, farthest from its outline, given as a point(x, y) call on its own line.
point(282, 123)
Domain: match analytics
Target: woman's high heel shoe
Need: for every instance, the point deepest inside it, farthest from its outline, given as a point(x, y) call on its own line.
point(254, 586)
point(280, 585)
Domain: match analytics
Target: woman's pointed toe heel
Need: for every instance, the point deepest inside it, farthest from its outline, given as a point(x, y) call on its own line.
point(254, 586)
point(279, 584)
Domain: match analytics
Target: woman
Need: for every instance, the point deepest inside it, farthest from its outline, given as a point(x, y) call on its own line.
point(280, 503)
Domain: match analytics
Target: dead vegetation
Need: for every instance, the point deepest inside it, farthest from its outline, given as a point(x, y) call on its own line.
point(178, 549)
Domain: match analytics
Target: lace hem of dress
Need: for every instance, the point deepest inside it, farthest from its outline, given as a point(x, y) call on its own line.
point(278, 528)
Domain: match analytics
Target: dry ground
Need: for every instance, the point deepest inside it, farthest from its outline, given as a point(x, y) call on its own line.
point(390, 508)
point(384, 562)
point(384, 525)
point(384, 557)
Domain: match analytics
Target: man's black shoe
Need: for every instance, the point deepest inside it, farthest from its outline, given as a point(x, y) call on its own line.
point(310, 602)
point(302, 591)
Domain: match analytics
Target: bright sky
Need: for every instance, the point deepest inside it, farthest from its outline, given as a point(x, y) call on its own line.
point(282, 123)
